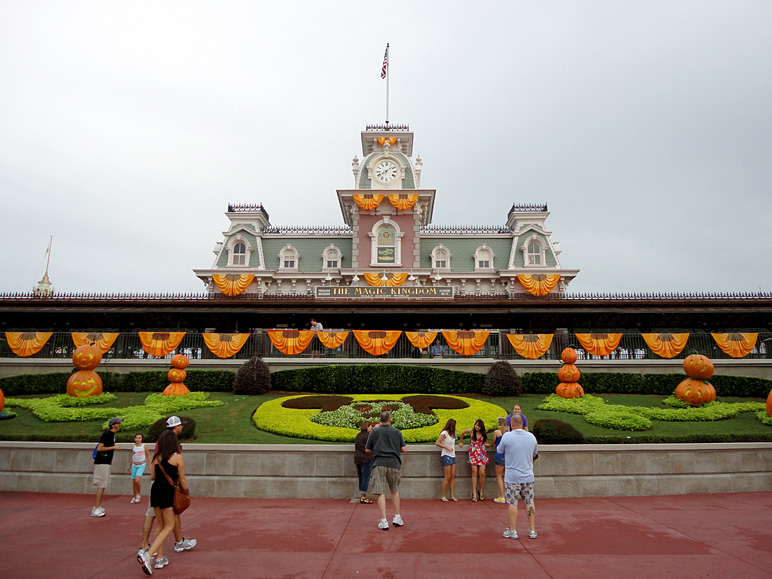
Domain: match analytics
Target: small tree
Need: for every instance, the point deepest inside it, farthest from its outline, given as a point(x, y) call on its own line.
point(252, 378)
point(502, 380)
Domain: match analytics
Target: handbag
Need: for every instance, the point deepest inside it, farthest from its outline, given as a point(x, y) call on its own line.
point(181, 497)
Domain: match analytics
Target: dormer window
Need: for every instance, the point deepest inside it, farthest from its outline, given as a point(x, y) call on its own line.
point(331, 258)
point(238, 252)
point(483, 257)
point(288, 258)
point(534, 254)
point(441, 257)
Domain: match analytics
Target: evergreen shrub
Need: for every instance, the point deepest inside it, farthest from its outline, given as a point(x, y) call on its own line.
point(553, 431)
point(156, 429)
point(502, 380)
point(253, 378)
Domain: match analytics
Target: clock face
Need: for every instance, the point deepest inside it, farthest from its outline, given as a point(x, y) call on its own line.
point(385, 171)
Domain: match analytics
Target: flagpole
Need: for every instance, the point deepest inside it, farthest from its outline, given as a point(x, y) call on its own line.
point(388, 65)
point(48, 261)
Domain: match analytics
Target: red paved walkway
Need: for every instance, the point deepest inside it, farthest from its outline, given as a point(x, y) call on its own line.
point(726, 535)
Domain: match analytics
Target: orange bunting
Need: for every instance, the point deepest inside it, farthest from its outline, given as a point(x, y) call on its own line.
point(539, 284)
point(396, 279)
point(403, 202)
point(530, 346)
point(421, 339)
point(599, 344)
point(25, 344)
point(736, 345)
point(466, 343)
point(390, 140)
point(160, 343)
point(377, 342)
point(102, 341)
point(666, 345)
point(332, 340)
point(225, 345)
point(368, 202)
point(232, 284)
point(291, 342)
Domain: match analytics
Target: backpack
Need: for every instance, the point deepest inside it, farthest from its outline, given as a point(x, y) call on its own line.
point(94, 454)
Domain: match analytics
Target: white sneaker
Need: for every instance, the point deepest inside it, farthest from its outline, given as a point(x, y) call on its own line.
point(184, 545)
point(532, 534)
point(161, 562)
point(146, 562)
point(397, 522)
point(133, 500)
point(510, 534)
point(383, 525)
point(97, 512)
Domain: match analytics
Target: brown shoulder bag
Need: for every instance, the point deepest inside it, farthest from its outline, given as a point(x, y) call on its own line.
point(181, 497)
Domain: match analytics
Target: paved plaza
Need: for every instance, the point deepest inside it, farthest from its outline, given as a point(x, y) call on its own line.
point(712, 535)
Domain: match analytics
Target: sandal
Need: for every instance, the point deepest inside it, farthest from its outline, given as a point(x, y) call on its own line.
point(365, 501)
point(444, 500)
point(454, 499)
point(474, 499)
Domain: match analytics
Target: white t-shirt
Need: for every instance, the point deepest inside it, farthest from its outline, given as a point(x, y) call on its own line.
point(318, 327)
point(447, 439)
point(518, 448)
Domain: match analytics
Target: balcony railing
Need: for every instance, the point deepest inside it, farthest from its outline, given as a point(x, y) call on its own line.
point(632, 347)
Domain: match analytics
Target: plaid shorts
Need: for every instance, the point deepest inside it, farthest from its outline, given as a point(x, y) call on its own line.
point(382, 477)
point(516, 491)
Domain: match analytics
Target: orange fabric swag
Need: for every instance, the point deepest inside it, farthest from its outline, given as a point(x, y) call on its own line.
point(403, 203)
point(225, 345)
point(368, 202)
point(421, 339)
point(539, 284)
point(466, 343)
point(377, 342)
point(395, 280)
point(599, 344)
point(25, 344)
point(666, 345)
point(736, 345)
point(291, 342)
point(160, 343)
point(102, 341)
point(232, 284)
point(332, 339)
point(530, 346)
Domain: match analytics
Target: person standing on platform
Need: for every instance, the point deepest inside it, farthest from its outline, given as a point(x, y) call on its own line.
point(517, 410)
point(316, 349)
point(102, 462)
point(520, 450)
point(386, 445)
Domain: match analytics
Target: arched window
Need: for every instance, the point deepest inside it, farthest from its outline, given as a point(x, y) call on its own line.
point(483, 258)
point(240, 254)
point(331, 258)
point(534, 254)
point(441, 257)
point(386, 244)
point(288, 258)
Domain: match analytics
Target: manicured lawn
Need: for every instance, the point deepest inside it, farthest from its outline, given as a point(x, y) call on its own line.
point(232, 423)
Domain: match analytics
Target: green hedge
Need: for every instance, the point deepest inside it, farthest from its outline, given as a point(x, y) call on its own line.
point(377, 379)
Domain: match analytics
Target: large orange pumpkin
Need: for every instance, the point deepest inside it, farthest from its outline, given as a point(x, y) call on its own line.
point(86, 357)
point(569, 373)
point(84, 383)
point(569, 390)
point(698, 366)
point(176, 375)
point(180, 361)
point(568, 356)
point(2, 400)
point(695, 392)
point(176, 389)
point(769, 403)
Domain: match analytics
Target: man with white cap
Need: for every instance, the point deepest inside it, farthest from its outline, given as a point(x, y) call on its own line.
point(103, 458)
point(181, 543)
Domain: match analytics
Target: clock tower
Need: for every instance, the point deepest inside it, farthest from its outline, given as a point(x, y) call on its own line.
point(387, 208)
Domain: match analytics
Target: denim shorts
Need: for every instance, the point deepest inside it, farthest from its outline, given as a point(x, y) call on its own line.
point(448, 460)
point(499, 461)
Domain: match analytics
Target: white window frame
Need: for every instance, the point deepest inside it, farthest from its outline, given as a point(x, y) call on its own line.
point(232, 252)
point(440, 249)
point(525, 248)
point(331, 253)
point(398, 234)
point(479, 254)
point(289, 252)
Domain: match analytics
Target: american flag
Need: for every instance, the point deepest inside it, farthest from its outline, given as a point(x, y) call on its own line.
point(385, 62)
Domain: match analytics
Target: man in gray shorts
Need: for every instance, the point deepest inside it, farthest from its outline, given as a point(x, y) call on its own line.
point(386, 444)
point(519, 449)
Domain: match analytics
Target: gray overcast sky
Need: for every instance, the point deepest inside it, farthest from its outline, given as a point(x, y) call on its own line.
point(126, 128)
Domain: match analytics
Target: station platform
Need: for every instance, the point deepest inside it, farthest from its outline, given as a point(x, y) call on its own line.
point(705, 535)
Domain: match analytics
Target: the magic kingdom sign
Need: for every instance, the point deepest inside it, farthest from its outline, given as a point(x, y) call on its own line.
point(384, 291)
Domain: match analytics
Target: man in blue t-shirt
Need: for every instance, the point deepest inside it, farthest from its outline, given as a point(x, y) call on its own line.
point(519, 449)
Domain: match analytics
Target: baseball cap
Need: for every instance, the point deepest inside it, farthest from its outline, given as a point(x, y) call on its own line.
point(114, 420)
point(173, 421)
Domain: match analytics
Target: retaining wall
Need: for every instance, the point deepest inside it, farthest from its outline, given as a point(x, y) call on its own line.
point(328, 471)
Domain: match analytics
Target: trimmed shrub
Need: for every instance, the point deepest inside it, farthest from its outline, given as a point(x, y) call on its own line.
point(502, 380)
point(325, 403)
point(155, 430)
point(552, 431)
point(253, 378)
